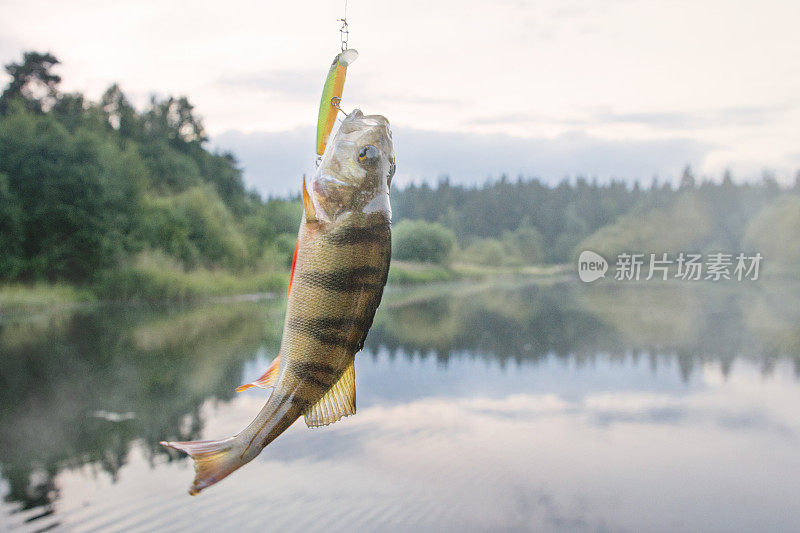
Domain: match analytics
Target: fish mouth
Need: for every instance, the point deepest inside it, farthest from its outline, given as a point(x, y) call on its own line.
point(357, 120)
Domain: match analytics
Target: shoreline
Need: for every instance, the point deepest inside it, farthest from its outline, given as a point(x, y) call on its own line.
point(403, 275)
point(21, 297)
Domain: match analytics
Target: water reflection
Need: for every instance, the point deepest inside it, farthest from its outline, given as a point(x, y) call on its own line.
point(59, 371)
point(567, 407)
point(692, 324)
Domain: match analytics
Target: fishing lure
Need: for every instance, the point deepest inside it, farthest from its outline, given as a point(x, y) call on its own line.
point(332, 96)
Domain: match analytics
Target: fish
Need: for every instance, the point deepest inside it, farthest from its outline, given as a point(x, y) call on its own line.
point(340, 269)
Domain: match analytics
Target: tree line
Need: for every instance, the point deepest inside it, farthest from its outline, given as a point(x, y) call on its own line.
point(526, 221)
point(92, 187)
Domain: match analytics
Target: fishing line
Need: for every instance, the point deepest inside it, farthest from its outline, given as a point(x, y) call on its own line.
point(344, 31)
point(344, 35)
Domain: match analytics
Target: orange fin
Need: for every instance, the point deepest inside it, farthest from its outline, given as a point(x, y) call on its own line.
point(213, 460)
point(294, 263)
point(267, 380)
point(308, 205)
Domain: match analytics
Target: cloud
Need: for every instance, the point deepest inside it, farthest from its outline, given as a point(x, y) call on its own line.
point(407, 98)
point(10, 50)
point(726, 117)
point(274, 161)
point(471, 158)
point(664, 120)
point(519, 118)
point(292, 84)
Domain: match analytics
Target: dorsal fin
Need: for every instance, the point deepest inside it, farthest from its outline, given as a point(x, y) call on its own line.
point(339, 401)
point(308, 205)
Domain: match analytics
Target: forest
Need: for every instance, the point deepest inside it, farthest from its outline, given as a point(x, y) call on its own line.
point(129, 203)
point(526, 221)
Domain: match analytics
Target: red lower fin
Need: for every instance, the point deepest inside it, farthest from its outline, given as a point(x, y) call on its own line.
point(213, 460)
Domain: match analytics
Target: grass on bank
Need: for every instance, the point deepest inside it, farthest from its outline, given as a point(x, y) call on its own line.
point(41, 294)
point(409, 273)
point(153, 277)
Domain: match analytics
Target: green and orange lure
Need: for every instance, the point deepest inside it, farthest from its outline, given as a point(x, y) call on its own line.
point(332, 96)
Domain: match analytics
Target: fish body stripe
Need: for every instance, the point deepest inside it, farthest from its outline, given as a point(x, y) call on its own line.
point(326, 322)
point(300, 402)
point(330, 331)
point(346, 279)
point(320, 383)
point(350, 235)
point(319, 367)
point(319, 374)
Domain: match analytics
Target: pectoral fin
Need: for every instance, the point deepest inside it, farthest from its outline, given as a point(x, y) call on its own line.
point(267, 380)
point(339, 401)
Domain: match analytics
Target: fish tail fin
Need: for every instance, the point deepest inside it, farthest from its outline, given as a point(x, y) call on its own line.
point(213, 460)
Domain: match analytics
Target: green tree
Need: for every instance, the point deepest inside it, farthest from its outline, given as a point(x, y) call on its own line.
point(69, 193)
point(490, 252)
point(418, 240)
point(195, 227)
point(526, 243)
point(174, 119)
point(119, 112)
point(688, 180)
point(32, 82)
point(11, 260)
point(773, 233)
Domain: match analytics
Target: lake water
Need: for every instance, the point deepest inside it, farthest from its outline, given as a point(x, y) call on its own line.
point(517, 407)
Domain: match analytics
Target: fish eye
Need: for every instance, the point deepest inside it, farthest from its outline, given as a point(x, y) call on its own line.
point(368, 155)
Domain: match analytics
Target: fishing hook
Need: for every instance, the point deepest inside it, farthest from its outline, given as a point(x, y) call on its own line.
point(335, 101)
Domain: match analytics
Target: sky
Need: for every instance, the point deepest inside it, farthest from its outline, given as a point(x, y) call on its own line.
point(612, 89)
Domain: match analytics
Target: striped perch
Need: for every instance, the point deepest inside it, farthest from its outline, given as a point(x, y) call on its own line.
point(338, 273)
